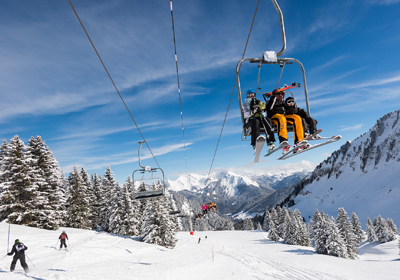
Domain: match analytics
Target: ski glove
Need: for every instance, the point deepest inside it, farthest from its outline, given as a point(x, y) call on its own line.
point(10, 254)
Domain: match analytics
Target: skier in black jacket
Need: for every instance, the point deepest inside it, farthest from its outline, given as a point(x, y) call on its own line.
point(308, 122)
point(19, 250)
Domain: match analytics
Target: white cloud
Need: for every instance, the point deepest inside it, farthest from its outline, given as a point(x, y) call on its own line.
point(354, 127)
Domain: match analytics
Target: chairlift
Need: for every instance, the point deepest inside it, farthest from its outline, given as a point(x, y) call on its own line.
point(269, 58)
point(145, 170)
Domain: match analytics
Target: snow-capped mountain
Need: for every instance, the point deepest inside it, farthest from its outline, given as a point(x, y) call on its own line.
point(363, 176)
point(234, 190)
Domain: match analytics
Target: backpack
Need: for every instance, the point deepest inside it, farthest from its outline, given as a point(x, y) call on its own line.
point(63, 235)
point(19, 247)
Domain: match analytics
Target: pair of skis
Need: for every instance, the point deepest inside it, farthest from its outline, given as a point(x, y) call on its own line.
point(295, 151)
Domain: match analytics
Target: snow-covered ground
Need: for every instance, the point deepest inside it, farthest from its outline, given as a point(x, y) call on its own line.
point(223, 255)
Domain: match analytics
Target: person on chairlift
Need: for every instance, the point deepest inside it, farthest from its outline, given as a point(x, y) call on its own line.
point(253, 112)
point(276, 110)
point(309, 124)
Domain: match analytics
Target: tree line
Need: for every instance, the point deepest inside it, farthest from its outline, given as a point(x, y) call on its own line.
point(34, 192)
point(338, 237)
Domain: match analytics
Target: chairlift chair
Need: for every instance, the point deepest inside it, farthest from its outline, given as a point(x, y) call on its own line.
point(148, 170)
point(269, 57)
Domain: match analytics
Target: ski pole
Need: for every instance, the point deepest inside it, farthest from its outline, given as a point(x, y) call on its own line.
point(29, 259)
point(8, 241)
point(4, 256)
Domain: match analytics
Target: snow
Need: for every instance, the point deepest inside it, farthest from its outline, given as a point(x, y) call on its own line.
point(223, 255)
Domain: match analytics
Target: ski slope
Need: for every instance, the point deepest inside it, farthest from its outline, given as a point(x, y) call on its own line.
point(223, 255)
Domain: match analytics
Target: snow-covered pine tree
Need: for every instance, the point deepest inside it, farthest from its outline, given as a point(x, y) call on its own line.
point(229, 225)
point(346, 231)
point(158, 226)
point(370, 231)
point(290, 232)
point(259, 227)
point(78, 210)
point(391, 225)
point(335, 244)
point(20, 199)
point(382, 230)
point(131, 217)
point(248, 224)
point(55, 182)
point(320, 229)
point(108, 192)
point(95, 204)
point(267, 216)
point(273, 235)
point(88, 186)
point(274, 217)
point(357, 230)
point(280, 229)
point(303, 236)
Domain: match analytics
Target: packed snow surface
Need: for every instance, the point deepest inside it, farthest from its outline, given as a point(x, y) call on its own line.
point(223, 255)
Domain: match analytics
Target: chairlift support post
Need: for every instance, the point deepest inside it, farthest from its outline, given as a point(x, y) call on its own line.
point(148, 193)
point(267, 60)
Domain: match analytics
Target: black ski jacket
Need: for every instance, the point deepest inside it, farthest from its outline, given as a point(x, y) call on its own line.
point(275, 106)
point(18, 249)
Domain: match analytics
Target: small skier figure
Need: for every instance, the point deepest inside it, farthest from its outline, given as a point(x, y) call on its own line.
point(62, 238)
point(19, 249)
point(212, 206)
point(199, 240)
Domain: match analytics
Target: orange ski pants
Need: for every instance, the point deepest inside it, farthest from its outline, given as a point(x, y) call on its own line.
point(281, 124)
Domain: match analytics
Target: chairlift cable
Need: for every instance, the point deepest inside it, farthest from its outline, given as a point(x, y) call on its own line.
point(177, 76)
point(105, 68)
point(233, 90)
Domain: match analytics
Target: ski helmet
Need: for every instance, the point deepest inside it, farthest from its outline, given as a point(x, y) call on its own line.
point(16, 240)
point(250, 93)
point(290, 100)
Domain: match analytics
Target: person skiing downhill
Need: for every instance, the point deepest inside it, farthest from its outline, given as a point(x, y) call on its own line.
point(276, 110)
point(19, 249)
point(62, 238)
point(253, 112)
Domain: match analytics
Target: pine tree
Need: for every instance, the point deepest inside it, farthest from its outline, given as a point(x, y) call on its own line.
point(248, 224)
point(267, 216)
point(346, 231)
point(20, 198)
point(229, 225)
point(382, 230)
point(280, 229)
point(303, 236)
point(78, 209)
point(391, 225)
point(370, 231)
point(108, 193)
point(273, 235)
point(357, 230)
point(319, 230)
point(158, 226)
point(53, 182)
point(335, 244)
point(96, 199)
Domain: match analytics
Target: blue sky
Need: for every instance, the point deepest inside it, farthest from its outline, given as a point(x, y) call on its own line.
point(53, 85)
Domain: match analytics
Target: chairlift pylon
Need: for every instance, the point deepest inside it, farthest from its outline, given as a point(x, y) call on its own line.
point(148, 170)
point(269, 57)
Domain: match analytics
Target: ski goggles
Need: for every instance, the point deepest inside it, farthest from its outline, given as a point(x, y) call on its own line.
point(290, 102)
point(251, 95)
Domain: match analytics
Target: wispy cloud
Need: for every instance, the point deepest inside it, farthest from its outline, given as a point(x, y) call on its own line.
point(354, 127)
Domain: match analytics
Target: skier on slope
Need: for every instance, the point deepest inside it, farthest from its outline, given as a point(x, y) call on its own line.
point(62, 238)
point(253, 112)
point(19, 249)
point(309, 124)
point(276, 109)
